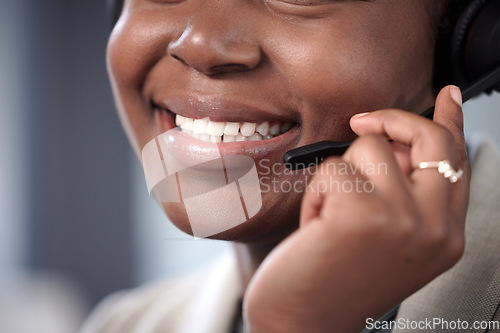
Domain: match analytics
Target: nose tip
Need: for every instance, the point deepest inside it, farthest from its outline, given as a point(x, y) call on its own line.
point(215, 50)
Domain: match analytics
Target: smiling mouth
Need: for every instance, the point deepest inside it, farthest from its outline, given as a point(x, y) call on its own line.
point(222, 131)
point(206, 131)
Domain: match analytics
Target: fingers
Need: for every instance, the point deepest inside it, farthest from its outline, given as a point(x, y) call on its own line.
point(429, 141)
point(366, 173)
point(334, 192)
point(425, 138)
point(416, 132)
point(374, 157)
point(441, 139)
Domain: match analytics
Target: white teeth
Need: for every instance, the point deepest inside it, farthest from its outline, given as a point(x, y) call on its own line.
point(263, 128)
point(200, 126)
point(241, 137)
point(231, 128)
point(187, 124)
point(247, 129)
point(229, 138)
point(285, 127)
point(215, 139)
point(215, 128)
point(275, 129)
point(216, 131)
point(255, 137)
point(179, 120)
point(205, 137)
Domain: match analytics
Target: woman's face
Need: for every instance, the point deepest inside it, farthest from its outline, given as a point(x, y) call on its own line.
point(312, 63)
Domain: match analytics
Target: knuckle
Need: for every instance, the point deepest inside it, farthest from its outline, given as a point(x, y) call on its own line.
point(406, 229)
point(458, 127)
point(384, 218)
point(408, 225)
point(436, 235)
point(379, 217)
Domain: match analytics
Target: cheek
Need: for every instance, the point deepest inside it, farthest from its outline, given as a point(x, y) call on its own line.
point(353, 67)
point(371, 72)
point(134, 47)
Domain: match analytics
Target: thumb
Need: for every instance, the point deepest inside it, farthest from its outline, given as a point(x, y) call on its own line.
point(448, 113)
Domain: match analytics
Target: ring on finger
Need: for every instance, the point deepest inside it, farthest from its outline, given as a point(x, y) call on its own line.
point(443, 167)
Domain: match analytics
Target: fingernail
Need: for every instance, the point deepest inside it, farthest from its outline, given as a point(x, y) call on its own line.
point(359, 115)
point(456, 94)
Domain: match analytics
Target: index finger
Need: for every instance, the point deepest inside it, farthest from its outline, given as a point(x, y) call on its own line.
point(429, 141)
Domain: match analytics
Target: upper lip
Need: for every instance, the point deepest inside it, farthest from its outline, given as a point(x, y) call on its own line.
point(217, 109)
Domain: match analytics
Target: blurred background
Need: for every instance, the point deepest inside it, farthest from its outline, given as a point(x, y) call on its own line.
point(76, 222)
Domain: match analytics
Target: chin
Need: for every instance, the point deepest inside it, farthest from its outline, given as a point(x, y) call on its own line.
point(267, 226)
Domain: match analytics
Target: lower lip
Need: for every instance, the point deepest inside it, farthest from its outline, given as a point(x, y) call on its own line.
point(197, 151)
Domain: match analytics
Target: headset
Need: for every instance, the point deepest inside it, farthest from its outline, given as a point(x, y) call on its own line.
point(475, 46)
point(471, 54)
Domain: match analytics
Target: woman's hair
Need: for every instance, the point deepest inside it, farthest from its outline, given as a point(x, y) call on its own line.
point(446, 20)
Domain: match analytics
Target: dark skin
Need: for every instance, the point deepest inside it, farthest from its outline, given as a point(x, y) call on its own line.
point(316, 64)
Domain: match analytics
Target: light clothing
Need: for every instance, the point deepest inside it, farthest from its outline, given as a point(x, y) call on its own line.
point(200, 303)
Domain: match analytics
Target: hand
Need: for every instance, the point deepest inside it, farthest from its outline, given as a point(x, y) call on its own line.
point(358, 253)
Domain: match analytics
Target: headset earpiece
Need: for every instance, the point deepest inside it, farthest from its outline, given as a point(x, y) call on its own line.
point(476, 42)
